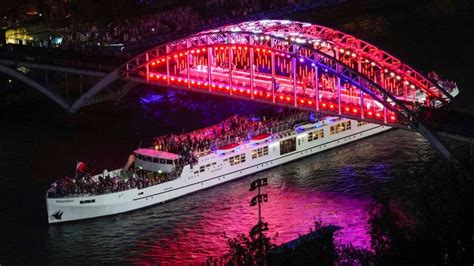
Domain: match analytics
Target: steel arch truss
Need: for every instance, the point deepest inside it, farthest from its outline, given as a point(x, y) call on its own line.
point(272, 69)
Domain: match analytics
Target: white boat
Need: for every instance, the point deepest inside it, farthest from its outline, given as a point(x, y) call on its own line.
point(171, 178)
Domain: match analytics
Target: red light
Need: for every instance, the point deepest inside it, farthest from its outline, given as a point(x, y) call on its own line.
point(227, 87)
point(157, 76)
point(347, 109)
point(392, 118)
point(164, 77)
point(198, 51)
point(172, 79)
point(180, 54)
point(248, 91)
point(268, 95)
point(281, 97)
point(234, 89)
point(163, 60)
point(331, 106)
point(310, 102)
point(354, 110)
point(153, 63)
point(324, 105)
point(213, 85)
point(370, 113)
point(258, 49)
point(377, 115)
point(255, 92)
point(288, 98)
point(302, 101)
point(220, 86)
point(179, 80)
point(192, 51)
point(241, 90)
point(175, 55)
point(203, 49)
point(151, 75)
point(192, 82)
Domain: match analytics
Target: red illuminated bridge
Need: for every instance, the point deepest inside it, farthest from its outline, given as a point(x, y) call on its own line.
point(293, 64)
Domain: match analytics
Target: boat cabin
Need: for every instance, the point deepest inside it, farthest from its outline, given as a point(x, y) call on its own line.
point(156, 161)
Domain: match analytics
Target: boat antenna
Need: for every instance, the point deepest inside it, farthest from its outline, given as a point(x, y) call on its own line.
point(140, 145)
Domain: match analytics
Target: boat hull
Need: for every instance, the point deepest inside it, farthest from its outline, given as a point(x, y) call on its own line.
point(85, 207)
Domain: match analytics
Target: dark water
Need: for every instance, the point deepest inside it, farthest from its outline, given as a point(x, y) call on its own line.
point(39, 142)
point(42, 143)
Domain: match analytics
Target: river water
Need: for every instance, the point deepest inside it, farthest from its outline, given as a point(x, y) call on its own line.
point(42, 143)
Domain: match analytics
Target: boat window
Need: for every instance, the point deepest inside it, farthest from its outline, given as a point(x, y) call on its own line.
point(155, 160)
point(162, 161)
point(287, 146)
point(341, 127)
point(169, 161)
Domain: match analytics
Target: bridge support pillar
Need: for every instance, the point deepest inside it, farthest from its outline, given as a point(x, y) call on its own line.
point(251, 63)
point(339, 96)
point(209, 66)
point(231, 55)
point(316, 87)
point(274, 81)
point(293, 68)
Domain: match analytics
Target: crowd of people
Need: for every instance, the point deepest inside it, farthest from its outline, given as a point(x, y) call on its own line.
point(234, 129)
point(84, 184)
point(132, 30)
point(188, 145)
point(78, 36)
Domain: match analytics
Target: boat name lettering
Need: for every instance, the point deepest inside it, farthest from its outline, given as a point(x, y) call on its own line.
point(64, 201)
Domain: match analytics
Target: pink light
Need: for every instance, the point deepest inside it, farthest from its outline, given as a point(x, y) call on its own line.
point(324, 105)
point(281, 97)
point(347, 109)
point(234, 89)
point(288, 98)
point(310, 102)
point(172, 78)
point(377, 115)
point(151, 75)
point(392, 118)
point(153, 63)
point(241, 90)
point(302, 101)
point(203, 49)
point(354, 110)
point(248, 91)
point(213, 85)
point(163, 60)
point(227, 87)
point(175, 55)
point(164, 77)
point(370, 113)
point(331, 106)
point(180, 54)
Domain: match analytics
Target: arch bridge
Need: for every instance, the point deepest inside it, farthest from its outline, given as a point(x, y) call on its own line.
point(292, 64)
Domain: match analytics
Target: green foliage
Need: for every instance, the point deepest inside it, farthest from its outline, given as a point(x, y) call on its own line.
point(249, 250)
